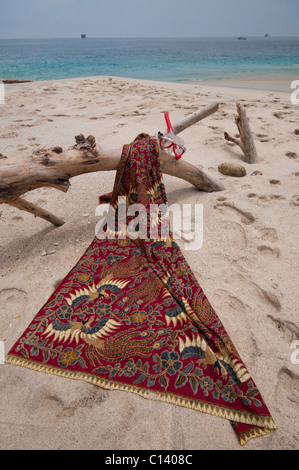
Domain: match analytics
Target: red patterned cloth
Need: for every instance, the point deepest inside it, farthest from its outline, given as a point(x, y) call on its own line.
point(131, 316)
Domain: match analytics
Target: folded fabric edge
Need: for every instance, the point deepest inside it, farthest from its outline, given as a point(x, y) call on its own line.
point(260, 425)
point(253, 433)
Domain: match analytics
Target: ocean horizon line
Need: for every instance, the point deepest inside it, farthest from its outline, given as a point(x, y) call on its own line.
point(154, 37)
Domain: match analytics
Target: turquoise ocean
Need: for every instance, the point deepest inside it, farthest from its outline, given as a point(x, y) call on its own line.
point(163, 59)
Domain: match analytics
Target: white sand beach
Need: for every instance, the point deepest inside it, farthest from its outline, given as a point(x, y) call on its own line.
point(247, 266)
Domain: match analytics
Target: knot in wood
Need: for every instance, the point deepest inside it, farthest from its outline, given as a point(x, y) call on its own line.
point(79, 138)
point(91, 140)
point(57, 149)
point(46, 160)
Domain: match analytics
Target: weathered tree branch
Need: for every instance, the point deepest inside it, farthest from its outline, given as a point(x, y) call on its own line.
point(195, 117)
point(37, 211)
point(54, 167)
point(188, 172)
point(246, 142)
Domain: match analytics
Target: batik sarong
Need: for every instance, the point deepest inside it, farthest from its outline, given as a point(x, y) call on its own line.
point(131, 315)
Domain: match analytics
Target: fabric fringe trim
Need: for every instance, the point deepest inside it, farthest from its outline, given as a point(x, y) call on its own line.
point(252, 433)
point(263, 424)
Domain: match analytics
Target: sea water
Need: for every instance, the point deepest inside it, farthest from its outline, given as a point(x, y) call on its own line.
point(165, 59)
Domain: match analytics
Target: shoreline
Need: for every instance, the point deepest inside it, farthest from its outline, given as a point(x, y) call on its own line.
point(281, 85)
point(273, 83)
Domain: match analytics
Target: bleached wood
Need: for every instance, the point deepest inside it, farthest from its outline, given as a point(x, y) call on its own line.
point(54, 167)
point(27, 206)
point(195, 117)
point(246, 141)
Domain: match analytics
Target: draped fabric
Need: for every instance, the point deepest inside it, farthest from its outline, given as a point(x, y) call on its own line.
point(131, 315)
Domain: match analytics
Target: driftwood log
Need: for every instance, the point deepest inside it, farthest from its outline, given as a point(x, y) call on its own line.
point(54, 167)
point(245, 142)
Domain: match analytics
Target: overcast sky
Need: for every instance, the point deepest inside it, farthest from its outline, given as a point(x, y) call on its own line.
point(147, 18)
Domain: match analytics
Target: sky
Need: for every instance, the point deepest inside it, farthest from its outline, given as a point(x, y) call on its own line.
point(147, 18)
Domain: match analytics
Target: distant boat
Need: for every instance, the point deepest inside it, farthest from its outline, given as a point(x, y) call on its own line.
point(83, 36)
point(241, 38)
point(266, 35)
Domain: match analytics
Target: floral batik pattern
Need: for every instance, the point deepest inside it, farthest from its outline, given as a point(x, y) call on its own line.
point(132, 316)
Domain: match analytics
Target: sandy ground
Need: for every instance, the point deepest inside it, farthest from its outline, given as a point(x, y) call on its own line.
point(247, 266)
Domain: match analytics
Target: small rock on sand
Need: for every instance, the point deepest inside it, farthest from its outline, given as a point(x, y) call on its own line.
point(232, 169)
